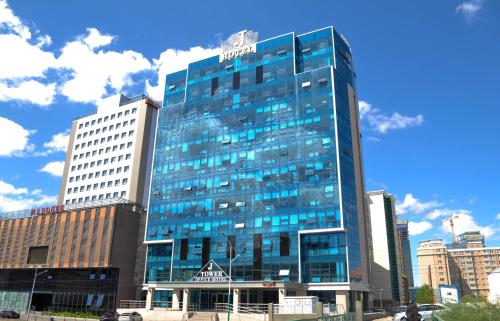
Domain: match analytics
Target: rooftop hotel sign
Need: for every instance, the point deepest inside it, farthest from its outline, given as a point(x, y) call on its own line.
point(47, 210)
point(211, 273)
point(239, 44)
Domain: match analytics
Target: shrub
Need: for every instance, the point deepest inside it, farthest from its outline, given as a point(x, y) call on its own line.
point(473, 309)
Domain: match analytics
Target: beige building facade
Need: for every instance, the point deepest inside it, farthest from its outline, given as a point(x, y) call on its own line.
point(466, 263)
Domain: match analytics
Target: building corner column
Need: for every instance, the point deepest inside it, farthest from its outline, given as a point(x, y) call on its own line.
point(270, 311)
point(185, 300)
point(318, 309)
point(150, 298)
point(236, 300)
point(175, 299)
point(358, 305)
point(342, 300)
point(282, 293)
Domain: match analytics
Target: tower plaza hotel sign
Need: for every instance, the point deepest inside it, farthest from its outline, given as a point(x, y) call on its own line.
point(239, 44)
point(211, 273)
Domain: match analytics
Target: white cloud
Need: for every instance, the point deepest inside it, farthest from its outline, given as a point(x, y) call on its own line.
point(29, 91)
point(445, 212)
point(172, 60)
point(53, 168)
point(416, 228)
point(364, 108)
point(464, 222)
point(382, 123)
point(23, 59)
point(84, 72)
point(18, 198)
point(95, 39)
point(11, 22)
point(498, 216)
point(58, 143)
point(24, 62)
point(6, 188)
point(14, 138)
point(412, 205)
point(92, 72)
point(469, 9)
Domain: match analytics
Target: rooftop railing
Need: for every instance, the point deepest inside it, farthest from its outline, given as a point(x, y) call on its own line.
point(81, 205)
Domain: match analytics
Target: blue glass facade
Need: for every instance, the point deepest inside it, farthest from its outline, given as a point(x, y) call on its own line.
point(263, 142)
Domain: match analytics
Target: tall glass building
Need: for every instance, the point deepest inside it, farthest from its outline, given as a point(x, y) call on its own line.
point(258, 159)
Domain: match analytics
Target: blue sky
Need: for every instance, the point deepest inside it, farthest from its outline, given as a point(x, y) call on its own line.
point(428, 80)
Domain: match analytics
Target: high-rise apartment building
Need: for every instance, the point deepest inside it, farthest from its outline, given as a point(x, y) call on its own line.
point(465, 263)
point(109, 152)
point(406, 261)
point(386, 253)
point(433, 267)
point(258, 160)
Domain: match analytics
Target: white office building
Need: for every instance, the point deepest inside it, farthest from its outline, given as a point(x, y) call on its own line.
point(494, 284)
point(109, 152)
point(386, 254)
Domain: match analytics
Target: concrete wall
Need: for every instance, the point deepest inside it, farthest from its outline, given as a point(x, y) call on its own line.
point(126, 241)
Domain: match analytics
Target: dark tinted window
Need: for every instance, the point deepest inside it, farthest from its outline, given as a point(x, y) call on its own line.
point(184, 249)
point(38, 255)
point(259, 74)
point(205, 251)
point(257, 256)
point(236, 80)
point(215, 85)
point(284, 244)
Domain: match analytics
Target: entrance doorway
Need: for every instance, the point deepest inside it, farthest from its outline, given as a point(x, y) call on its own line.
point(209, 300)
point(41, 301)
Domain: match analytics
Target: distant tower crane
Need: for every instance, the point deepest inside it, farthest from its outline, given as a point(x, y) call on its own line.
point(450, 219)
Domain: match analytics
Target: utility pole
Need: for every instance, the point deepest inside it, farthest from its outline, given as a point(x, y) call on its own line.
point(430, 283)
point(32, 290)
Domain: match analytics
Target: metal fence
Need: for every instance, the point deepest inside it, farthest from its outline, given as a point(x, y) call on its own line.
point(132, 304)
point(245, 308)
point(294, 309)
point(340, 317)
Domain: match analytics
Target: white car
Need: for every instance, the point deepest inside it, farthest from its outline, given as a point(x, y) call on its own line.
point(425, 311)
point(130, 316)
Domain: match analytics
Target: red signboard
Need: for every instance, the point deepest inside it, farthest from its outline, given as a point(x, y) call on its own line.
point(47, 210)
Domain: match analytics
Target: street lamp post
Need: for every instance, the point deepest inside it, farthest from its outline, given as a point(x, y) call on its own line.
point(230, 273)
point(229, 287)
point(32, 290)
point(380, 296)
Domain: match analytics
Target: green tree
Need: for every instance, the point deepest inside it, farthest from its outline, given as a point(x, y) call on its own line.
point(424, 295)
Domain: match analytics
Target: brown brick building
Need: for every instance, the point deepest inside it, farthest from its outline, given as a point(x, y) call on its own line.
point(93, 256)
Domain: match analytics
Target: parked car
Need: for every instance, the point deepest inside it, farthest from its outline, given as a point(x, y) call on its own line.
point(130, 316)
point(109, 316)
point(380, 310)
point(9, 314)
point(424, 310)
point(395, 310)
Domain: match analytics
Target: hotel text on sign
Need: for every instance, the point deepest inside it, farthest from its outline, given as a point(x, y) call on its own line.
point(211, 273)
